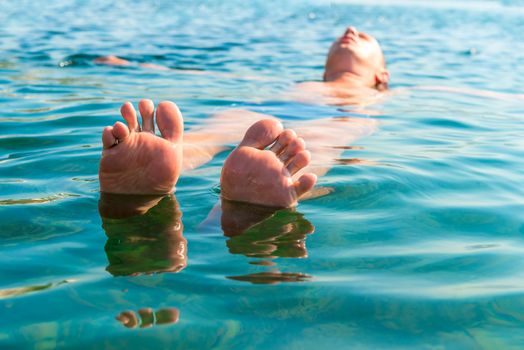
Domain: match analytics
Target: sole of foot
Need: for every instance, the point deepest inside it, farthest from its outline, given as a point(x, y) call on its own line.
point(134, 159)
point(260, 170)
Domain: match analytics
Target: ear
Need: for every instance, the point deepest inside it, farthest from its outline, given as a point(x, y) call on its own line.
point(382, 79)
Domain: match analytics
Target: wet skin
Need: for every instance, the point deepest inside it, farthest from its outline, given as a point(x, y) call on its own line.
point(136, 161)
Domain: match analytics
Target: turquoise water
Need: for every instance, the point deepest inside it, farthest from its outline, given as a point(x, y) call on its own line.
point(420, 246)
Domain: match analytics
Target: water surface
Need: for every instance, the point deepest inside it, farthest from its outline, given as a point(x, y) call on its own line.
point(419, 244)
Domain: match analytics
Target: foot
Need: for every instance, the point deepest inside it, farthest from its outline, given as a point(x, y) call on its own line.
point(263, 176)
point(134, 159)
point(112, 61)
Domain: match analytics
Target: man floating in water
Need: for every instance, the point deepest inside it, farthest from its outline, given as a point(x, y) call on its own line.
point(271, 166)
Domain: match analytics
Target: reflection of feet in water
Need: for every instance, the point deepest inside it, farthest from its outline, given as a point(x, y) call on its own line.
point(264, 232)
point(148, 318)
point(134, 159)
point(256, 175)
point(144, 234)
point(272, 277)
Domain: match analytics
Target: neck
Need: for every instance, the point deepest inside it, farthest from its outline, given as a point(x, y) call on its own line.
point(346, 80)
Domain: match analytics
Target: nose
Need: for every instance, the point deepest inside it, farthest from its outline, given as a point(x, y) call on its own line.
point(351, 30)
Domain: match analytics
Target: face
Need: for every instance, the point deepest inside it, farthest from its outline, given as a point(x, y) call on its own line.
point(357, 53)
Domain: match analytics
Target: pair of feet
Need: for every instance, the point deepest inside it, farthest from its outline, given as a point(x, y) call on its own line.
point(261, 170)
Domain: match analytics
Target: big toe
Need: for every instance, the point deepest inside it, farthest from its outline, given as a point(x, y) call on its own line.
point(262, 134)
point(170, 121)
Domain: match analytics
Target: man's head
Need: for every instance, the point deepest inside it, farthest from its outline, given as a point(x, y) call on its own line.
point(359, 54)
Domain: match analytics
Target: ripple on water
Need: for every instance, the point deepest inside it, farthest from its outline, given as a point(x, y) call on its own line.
point(48, 199)
point(20, 291)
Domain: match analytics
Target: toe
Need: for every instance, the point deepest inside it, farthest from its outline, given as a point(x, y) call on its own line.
point(283, 141)
point(298, 162)
point(128, 112)
point(147, 316)
point(166, 316)
point(147, 110)
point(304, 184)
point(169, 121)
point(128, 319)
point(120, 131)
point(295, 146)
point(108, 139)
point(262, 134)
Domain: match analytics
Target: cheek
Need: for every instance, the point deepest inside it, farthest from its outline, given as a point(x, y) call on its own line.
point(367, 56)
point(365, 52)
